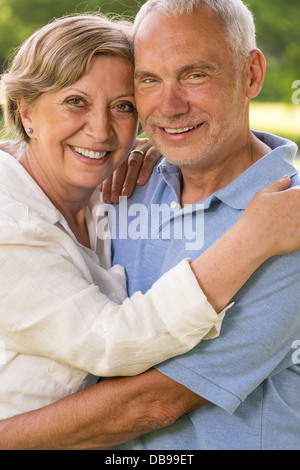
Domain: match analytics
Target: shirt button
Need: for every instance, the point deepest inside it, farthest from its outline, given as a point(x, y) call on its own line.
point(174, 205)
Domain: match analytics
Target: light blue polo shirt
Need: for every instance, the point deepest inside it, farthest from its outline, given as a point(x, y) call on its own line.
point(251, 373)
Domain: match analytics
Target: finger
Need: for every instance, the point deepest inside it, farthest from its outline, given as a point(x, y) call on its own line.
point(280, 185)
point(134, 166)
point(112, 186)
point(106, 190)
point(118, 179)
point(149, 162)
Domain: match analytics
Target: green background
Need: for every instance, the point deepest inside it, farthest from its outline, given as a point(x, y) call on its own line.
point(278, 36)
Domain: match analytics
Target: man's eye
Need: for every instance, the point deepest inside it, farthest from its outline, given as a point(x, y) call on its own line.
point(196, 75)
point(149, 80)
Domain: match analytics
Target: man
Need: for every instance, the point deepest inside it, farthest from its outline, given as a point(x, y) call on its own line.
point(197, 68)
point(193, 93)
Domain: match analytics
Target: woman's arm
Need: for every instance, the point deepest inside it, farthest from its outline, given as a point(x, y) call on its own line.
point(119, 410)
point(268, 227)
point(170, 319)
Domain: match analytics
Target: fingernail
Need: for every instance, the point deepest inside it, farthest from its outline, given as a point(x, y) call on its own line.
point(105, 199)
point(114, 198)
point(141, 181)
point(125, 192)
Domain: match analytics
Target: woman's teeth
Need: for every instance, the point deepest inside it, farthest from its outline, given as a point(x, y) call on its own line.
point(179, 131)
point(90, 153)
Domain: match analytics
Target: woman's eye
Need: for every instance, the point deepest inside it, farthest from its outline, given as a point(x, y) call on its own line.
point(125, 107)
point(74, 101)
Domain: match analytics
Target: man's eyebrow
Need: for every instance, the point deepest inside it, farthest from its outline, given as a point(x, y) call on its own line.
point(186, 68)
point(197, 66)
point(144, 73)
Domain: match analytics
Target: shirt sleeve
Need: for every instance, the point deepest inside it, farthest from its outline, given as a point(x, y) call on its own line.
point(50, 307)
point(256, 341)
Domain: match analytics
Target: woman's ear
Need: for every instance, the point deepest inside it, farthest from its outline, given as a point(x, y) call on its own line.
point(256, 68)
point(25, 113)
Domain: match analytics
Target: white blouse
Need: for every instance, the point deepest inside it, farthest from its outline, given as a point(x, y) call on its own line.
point(64, 318)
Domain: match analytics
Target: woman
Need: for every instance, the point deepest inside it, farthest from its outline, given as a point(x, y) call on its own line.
point(69, 97)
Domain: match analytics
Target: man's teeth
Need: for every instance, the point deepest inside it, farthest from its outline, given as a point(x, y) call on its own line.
point(179, 131)
point(90, 153)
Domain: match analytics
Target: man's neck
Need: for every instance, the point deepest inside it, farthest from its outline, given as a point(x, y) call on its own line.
point(200, 183)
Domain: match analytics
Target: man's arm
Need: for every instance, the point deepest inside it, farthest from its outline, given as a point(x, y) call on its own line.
point(107, 414)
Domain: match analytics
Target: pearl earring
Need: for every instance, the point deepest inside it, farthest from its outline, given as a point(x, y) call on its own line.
point(30, 130)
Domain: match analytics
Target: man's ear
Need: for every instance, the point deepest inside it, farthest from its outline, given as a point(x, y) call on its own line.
point(256, 69)
point(25, 113)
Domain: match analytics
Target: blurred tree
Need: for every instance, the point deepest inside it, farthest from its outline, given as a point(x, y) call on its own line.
point(19, 18)
point(277, 22)
point(278, 36)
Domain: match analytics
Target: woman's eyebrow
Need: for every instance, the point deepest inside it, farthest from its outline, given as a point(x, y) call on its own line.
point(78, 90)
point(72, 89)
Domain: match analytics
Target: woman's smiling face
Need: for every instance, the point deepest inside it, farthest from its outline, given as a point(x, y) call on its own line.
point(82, 133)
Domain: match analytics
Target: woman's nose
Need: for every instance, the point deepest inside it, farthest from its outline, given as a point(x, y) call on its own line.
point(98, 126)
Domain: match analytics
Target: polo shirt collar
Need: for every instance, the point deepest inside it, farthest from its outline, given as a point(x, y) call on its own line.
point(265, 171)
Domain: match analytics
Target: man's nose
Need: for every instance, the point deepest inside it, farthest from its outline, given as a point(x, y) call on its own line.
point(173, 101)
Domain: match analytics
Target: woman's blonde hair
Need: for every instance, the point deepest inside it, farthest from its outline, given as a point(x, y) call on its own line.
point(58, 55)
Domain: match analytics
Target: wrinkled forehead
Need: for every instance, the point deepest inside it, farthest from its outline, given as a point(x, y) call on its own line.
point(185, 37)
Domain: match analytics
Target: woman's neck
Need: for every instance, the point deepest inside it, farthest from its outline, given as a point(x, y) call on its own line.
point(70, 202)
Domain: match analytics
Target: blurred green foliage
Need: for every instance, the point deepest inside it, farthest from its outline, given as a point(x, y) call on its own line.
point(19, 18)
point(278, 32)
point(278, 36)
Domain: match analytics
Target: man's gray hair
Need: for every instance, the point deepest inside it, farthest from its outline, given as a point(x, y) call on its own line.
point(237, 19)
